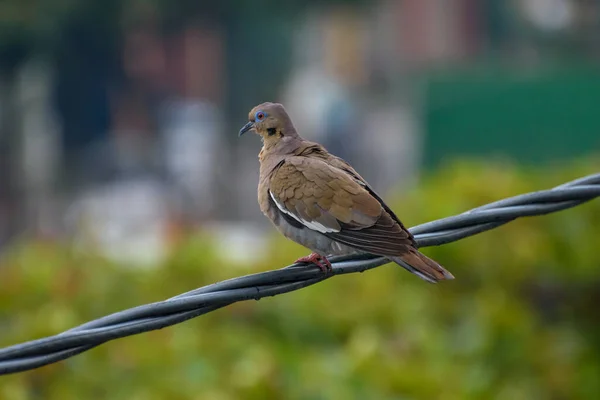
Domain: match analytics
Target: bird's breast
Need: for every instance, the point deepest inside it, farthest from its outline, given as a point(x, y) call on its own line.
point(263, 197)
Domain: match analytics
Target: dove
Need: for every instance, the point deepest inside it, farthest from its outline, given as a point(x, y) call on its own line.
point(320, 202)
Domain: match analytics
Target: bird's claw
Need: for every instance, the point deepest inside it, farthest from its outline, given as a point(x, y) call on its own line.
point(318, 260)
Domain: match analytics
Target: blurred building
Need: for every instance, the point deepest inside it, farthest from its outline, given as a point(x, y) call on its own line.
point(125, 130)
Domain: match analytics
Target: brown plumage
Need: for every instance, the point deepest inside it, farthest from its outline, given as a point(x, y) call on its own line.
point(319, 201)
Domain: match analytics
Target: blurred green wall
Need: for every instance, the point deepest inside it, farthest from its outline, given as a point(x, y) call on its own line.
point(531, 116)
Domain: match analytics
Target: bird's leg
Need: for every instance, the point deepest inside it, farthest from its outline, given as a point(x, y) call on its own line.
point(320, 261)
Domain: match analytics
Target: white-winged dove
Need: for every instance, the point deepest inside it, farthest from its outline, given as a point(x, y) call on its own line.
point(319, 201)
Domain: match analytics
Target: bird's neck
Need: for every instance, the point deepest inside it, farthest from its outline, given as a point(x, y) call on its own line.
point(274, 152)
point(280, 145)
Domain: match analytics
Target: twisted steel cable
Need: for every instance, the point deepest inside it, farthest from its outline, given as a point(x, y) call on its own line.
point(36, 353)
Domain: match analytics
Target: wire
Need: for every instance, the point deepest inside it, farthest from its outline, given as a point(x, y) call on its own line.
point(36, 353)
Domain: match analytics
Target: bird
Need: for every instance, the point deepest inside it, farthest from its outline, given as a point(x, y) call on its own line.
point(319, 201)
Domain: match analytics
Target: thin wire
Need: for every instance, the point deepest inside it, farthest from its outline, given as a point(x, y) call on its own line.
point(36, 353)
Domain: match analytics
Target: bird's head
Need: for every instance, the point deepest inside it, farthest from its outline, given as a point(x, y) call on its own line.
point(270, 121)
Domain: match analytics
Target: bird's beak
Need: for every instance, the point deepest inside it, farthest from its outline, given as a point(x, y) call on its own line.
point(246, 128)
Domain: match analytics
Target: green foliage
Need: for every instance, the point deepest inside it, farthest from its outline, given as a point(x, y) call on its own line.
point(519, 322)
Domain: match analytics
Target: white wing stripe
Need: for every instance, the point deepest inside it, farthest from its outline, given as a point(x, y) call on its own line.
point(314, 225)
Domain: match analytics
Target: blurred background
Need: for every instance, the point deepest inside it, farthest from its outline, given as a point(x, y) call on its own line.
point(123, 181)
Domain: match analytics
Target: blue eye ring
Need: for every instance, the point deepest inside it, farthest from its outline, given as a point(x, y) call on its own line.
point(260, 115)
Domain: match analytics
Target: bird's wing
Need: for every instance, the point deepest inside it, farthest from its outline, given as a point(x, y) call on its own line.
point(344, 166)
point(332, 202)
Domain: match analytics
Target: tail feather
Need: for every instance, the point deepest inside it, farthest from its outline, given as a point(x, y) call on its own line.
point(422, 266)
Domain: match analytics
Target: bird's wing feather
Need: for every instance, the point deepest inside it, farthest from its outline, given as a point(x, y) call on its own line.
point(343, 165)
point(331, 201)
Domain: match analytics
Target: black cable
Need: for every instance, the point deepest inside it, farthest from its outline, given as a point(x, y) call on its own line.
point(36, 353)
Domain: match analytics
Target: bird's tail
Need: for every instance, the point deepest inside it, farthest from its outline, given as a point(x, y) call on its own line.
point(422, 266)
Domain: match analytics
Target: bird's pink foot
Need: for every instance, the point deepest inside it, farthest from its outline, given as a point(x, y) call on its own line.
point(317, 259)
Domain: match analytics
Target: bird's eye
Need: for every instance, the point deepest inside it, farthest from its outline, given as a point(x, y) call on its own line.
point(259, 116)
